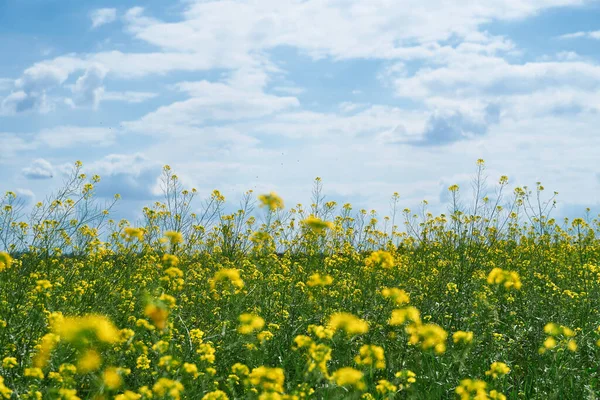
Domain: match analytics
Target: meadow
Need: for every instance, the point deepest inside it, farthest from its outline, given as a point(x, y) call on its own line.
point(493, 299)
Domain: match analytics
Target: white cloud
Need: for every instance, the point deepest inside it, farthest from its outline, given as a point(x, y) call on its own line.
point(354, 29)
point(128, 96)
point(88, 88)
point(133, 176)
point(39, 169)
point(581, 34)
point(103, 16)
point(72, 136)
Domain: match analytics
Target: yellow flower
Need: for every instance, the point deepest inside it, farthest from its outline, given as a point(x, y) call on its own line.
point(134, 233)
point(216, 395)
point(72, 329)
point(349, 376)
point(371, 356)
point(385, 387)
point(230, 275)
point(403, 315)
point(9, 362)
point(158, 314)
point(381, 259)
point(68, 394)
point(349, 323)
point(174, 237)
point(191, 369)
point(34, 373)
point(462, 337)
point(272, 201)
point(316, 224)
point(428, 336)
point(405, 379)
point(45, 348)
point(318, 280)
point(5, 261)
point(112, 379)
point(250, 323)
point(167, 387)
point(5, 392)
point(498, 369)
point(472, 389)
point(267, 379)
point(128, 395)
point(510, 279)
point(264, 336)
point(398, 296)
point(89, 361)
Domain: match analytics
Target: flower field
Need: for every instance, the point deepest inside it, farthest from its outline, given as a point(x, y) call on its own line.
point(490, 300)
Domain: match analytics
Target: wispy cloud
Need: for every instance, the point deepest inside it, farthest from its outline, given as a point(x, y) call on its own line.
point(103, 16)
point(581, 34)
point(39, 169)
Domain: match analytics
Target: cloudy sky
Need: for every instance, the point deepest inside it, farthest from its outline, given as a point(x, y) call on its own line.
point(376, 96)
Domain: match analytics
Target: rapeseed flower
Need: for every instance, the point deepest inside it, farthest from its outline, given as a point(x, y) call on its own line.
point(349, 376)
point(349, 323)
point(272, 201)
point(250, 323)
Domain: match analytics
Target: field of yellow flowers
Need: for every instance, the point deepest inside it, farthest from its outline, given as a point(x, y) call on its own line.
point(493, 300)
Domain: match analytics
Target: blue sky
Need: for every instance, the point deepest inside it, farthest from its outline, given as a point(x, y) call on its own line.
point(374, 97)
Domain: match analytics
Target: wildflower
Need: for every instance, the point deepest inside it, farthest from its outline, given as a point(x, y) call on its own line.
point(216, 395)
point(207, 353)
point(230, 275)
point(134, 233)
point(158, 314)
point(142, 362)
point(272, 201)
point(428, 336)
point(472, 389)
point(167, 387)
point(112, 379)
point(405, 379)
point(510, 279)
point(267, 379)
point(264, 336)
point(320, 331)
point(462, 337)
point(318, 356)
point(174, 237)
point(348, 376)
point(498, 369)
point(196, 335)
point(89, 361)
point(385, 387)
point(349, 323)
point(5, 261)
point(191, 369)
point(68, 394)
point(403, 315)
point(34, 373)
point(45, 348)
point(372, 356)
point(302, 341)
point(398, 296)
point(250, 323)
point(558, 335)
point(96, 327)
point(318, 280)
point(128, 395)
point(5, 392)
point(381, 259)
point(9, 362)
point(316, 224)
